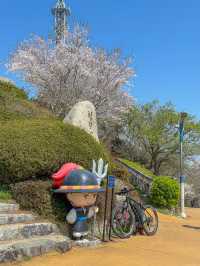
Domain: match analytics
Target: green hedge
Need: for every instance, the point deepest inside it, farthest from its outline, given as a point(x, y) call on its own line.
point(165, 192)
point(34, 149)
point(37, 196)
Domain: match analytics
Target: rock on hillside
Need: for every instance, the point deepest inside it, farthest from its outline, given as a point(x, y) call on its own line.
point(83, 115)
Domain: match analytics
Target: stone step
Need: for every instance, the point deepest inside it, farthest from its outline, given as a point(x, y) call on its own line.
point(8, 207)
point(21, 231)
point(17, 250)
point(14, 218)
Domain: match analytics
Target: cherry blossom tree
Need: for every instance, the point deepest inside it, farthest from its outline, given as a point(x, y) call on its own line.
point(73, 71)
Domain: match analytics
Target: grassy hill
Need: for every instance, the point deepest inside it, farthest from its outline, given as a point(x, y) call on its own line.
point(14, 104)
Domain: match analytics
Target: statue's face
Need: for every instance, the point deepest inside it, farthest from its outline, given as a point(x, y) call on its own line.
point(82, 199)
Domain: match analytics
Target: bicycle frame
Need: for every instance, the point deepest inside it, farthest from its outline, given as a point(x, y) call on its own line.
point(137, 208)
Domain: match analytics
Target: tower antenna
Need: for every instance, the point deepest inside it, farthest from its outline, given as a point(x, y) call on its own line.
point(61, 12)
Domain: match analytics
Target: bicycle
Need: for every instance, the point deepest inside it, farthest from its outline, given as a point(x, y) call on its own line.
point(131, 217)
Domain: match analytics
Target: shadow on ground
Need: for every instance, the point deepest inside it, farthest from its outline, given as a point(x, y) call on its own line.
point(191, 227)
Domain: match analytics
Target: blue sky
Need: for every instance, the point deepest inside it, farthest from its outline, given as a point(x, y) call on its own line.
point(163, 37)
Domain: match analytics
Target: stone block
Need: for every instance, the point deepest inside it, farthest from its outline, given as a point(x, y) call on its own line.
point(83, 115)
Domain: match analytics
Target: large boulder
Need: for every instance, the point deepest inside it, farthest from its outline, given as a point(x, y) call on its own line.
point(83, 115)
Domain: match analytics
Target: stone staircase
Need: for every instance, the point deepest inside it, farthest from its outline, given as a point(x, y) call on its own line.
point(22, 236)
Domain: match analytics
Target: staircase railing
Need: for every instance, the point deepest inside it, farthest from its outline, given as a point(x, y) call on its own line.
point(143, 182)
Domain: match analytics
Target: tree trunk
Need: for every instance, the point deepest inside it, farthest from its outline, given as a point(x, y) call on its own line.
point(156, 168)
point(155, 164)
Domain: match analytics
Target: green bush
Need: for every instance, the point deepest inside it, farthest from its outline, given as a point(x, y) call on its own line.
point(5, 195)
point(164, 192)
point(34, 149)
point(37, 196)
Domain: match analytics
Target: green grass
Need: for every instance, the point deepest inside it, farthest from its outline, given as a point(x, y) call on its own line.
point(138, 167)
point(27, 258)
point(5, 195)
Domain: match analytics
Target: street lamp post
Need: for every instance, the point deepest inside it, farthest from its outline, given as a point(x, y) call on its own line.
point(182, 177)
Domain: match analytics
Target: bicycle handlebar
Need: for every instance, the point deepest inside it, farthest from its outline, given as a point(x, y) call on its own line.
point(124, 191)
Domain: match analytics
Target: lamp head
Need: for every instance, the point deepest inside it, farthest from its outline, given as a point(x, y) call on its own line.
point(183, 116)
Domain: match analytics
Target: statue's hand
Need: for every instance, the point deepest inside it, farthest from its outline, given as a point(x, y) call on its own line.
point(71, 216)
point(92, 211)
point(96, 209)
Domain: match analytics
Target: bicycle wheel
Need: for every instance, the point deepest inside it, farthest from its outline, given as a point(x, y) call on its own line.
point(123, 222)
point(150, 221)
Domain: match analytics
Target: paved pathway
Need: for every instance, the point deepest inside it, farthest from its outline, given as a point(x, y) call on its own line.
point(176, 244)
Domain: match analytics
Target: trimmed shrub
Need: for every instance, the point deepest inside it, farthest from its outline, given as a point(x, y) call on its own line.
point(164, 192)
point(5, 195)
point(37, 196)
point(34, 149)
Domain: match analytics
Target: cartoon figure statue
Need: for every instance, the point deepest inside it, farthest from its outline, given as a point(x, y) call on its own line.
point(81, 188)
